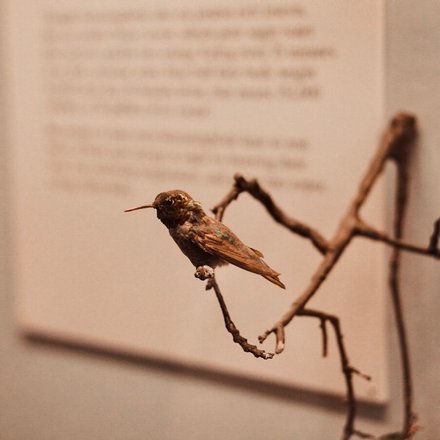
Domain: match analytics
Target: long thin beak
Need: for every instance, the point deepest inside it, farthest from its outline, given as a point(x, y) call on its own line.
point(139, 207)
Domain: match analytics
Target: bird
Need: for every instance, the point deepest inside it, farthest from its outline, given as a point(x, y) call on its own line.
point(206, 241)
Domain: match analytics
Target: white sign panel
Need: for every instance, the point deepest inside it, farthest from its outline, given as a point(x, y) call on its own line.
point(114, 102)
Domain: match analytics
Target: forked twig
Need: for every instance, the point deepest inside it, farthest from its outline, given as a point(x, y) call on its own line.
point(347, 369)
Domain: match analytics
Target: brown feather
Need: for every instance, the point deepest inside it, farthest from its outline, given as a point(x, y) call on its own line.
point(260, 254)
point(229, 247)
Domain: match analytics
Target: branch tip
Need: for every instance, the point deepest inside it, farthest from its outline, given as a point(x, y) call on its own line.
point(323, 325)
point(360, 374)
point(402, 131)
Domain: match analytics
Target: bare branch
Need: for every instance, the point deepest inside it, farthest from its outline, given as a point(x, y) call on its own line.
point(255, 190)
point(219, 209)
point(230, 326)
point(431, 250)
point(347, 369)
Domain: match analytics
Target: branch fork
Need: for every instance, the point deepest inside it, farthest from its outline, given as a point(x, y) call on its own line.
point(396, 146)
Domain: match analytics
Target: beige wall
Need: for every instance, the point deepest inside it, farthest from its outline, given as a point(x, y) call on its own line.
point(53, 393)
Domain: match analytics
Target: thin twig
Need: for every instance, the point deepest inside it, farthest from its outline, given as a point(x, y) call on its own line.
point(255, 190)
point(323, 325)
point(347, 370)
point(431, 250)
point(219, 209)
point(231, 328)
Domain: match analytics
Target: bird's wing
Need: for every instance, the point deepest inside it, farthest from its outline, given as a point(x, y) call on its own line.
point(226, 245)
point(260, 254)
point(231, 249)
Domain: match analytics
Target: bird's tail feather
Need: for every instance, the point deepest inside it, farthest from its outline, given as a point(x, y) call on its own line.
point(274, 279)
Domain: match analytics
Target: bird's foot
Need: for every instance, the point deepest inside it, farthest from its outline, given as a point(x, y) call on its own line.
point(204, 273)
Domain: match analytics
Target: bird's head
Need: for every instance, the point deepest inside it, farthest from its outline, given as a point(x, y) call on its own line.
point(173, 207)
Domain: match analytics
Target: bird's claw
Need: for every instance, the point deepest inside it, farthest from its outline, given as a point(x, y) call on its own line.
point(204, 273)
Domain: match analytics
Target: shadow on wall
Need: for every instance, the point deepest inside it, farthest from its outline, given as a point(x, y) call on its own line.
point(307, 397)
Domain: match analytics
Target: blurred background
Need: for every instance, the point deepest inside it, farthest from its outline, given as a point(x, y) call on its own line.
point(65, 391)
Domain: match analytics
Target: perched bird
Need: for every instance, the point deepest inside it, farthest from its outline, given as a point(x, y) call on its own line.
point(203, 239)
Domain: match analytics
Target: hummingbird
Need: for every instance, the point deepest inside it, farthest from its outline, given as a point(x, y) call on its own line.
point(203, 239)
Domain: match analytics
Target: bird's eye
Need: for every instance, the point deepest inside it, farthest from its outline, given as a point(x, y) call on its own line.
point(169, 202)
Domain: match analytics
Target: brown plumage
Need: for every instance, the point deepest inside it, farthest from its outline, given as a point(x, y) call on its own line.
point(205, 240)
